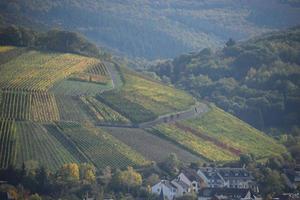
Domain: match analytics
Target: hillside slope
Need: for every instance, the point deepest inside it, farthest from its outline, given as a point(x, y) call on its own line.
point(155, 29)
point(256, 80)
point(57, 108)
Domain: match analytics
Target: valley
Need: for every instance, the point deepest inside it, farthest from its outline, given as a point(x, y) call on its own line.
point(58, 108)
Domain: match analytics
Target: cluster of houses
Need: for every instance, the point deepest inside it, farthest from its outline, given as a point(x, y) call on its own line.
point(209, 183)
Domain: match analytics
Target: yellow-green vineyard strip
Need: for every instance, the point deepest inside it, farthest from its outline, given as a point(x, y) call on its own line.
point(102, 148)
point(36, 144)
point(8, 140)
point(35, 106)
point(37, 71)
point(235, 133)
point(193, 143)
point(99, 69)
point(102, 113)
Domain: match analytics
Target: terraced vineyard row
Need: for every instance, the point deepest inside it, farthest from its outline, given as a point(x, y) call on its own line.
point(195, 144)
point(102, 148)
point(37, 71)
point(35, 106)
point(71, 109)
point(103, 113)
point(9, 52)
point(66, 142)
point(35, 143)
point(133, 111)
point(221, 126)
point(8, 143)
point(98, 69)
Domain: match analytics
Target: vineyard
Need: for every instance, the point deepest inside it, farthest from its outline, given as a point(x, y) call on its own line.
point(151, 146)
point(71, 109)
point(35, 143)
point(7, 53)
point(95, 74)
point(37, 71)
point(191, 142)
point(133, 111)
point(143, 100)
point(101, 148)
point(8, 143)
point(4, 49)
point(103, 113)
point(78, 88)
point(158, 98)
point(233, 132)
point(37, 106)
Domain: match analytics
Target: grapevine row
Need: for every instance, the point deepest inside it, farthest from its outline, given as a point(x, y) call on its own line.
point(8, 142)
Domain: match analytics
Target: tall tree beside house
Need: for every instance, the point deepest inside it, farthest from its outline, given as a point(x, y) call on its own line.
point(129, 179)
point(171, 164)
point(87, 172)
point(69, 172)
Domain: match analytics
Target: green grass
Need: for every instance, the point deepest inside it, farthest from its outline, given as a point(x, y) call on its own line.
point(102, 148)
point(236, 133)
point(35, 143)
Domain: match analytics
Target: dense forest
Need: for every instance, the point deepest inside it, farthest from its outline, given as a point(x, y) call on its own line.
point(256, 80)
point(154, 29)
point(53, 40)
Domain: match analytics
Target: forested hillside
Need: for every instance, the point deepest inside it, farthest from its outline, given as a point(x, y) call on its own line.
point(154, 29)
point(256, 80)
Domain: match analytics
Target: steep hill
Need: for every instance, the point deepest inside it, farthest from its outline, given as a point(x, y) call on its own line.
point(58, 108)
point(155, 29)
point(256, 80)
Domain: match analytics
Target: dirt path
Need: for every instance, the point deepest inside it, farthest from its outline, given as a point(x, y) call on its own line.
point(198, 110)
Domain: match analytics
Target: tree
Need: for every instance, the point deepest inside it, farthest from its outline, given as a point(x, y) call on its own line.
point(35, 197)
point(152, 179)
point(129, 178)
point(69, 172)
point(41, 179)
point(106, 175)
point(245, 159)
point(87, 172)
point(171, 164)
point(230, 42)
point(272, 183)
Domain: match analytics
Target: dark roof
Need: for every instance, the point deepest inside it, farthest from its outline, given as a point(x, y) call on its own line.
point(230, 192)
point(168, 184)
point(191, 174)
point(182, 184)
point(230, 173)
point(211, 173)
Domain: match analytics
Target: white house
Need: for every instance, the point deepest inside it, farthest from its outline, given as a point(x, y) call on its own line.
point(165, 188)
point(182, 187)
point(211, 178)
point(226, 177)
